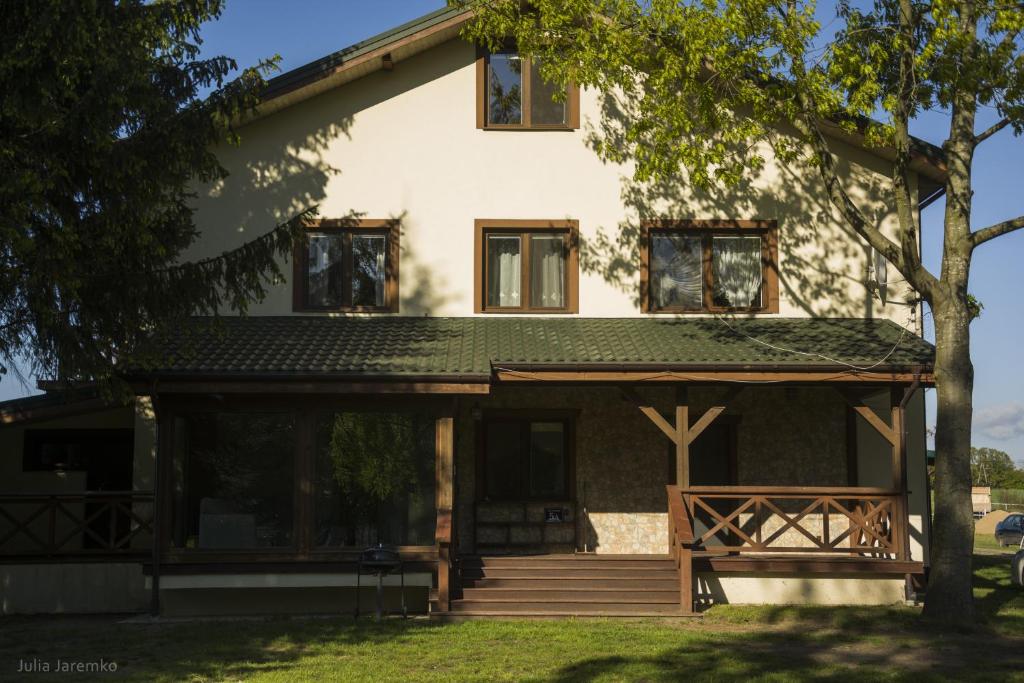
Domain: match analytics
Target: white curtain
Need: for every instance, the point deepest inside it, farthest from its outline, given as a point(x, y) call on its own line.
point(547, 271)
point(504, 274)
point(368, 275)
point(677, 279)
point(324, 255)
point(737, 271)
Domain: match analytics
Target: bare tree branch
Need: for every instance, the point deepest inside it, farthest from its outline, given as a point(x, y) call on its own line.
point(990, 131)
point(979, 237)
point(901, 176)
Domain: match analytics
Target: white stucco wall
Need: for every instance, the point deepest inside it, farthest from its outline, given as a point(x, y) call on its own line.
point(799, 589)
point(404, 144)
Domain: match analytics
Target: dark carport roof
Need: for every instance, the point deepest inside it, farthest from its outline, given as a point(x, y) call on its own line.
point(470, 349)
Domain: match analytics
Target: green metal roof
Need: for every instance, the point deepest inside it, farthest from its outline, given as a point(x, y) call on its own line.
point(469, 349)
point(323, 66)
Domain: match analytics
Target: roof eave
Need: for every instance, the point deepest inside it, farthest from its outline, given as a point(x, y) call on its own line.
point(358, 60)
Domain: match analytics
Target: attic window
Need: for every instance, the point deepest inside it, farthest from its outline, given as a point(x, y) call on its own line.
point(512, 95)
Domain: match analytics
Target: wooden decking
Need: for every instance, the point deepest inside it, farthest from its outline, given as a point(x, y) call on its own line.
point(565, 586)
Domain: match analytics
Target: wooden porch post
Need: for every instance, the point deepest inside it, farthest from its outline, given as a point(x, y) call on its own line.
point(162, 466)
point(445, 488)
point(898, 398)
point(682, 439)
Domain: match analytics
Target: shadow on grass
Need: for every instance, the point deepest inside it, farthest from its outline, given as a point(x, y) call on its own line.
point(730, 643)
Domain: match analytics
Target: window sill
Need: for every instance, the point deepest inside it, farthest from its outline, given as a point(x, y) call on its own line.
point(711, 311)
point(367, 309)
point(562, 129)
point(528, 311)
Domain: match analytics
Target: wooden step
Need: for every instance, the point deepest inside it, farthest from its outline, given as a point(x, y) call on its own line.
point(533, 594)
point(569, 562)
point(576, 584)
point(564, 607)
point(470, 615)
point(549, 572)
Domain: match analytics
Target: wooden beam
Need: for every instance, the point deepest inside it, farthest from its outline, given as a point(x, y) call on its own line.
point(655, 376)
point(651, 412)
point(447, 582)
point(878, 423)
point(682, 436)
point(709, 416)
point(705, 420)
point(857, 403)
point(445, 475)
point(318, 387)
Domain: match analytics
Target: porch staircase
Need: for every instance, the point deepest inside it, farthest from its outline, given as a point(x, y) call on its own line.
point(565, 586)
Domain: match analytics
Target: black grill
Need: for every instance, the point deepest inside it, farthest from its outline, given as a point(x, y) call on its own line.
point(380, 561)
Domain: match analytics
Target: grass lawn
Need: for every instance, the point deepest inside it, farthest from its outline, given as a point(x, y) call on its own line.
point(729, 643)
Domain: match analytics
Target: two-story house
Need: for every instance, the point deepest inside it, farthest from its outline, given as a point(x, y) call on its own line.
point(554, 390)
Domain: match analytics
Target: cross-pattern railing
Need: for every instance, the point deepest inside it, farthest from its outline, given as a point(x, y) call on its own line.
point(88, 524)
point(853, 521)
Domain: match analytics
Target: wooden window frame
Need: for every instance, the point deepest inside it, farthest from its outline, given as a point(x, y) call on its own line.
point(523, 229)
point(525, 417)
point(347, 228)
point(708, 229)
point(572, 100)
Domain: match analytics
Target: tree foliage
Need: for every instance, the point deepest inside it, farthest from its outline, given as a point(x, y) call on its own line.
point(991, 467)
point(374, 455)
point(711, 88)
point(108, 117)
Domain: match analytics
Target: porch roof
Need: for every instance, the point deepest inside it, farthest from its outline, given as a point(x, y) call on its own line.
point(475, 349)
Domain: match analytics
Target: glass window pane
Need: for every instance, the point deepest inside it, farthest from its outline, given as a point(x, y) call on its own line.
point(503, 456)
point(547, 271)
point(235, 473)
point(547, 459)
point(676, 272)
point(543, 109)
point(504, 88)
point(374, 478)
point(368, 269)
point(737, 273)
point(324, 279)
point(504, 271)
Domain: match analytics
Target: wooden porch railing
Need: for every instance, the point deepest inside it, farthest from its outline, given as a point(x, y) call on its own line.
point(852, 521)
point(680, 543)
point(815, 521)
point(95, 525)
point(447, 578)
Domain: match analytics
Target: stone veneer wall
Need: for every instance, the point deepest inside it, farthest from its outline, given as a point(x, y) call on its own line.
point(786, 436)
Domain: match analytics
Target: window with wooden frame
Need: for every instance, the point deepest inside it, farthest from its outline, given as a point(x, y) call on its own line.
point(527, 456)
point(512, 95)
point(525, 266)
point(347, 265)
point(709, 266)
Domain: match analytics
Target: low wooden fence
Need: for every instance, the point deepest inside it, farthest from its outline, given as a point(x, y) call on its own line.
point(105, 525)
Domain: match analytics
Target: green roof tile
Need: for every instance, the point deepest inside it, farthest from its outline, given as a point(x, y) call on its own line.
point(469, 348)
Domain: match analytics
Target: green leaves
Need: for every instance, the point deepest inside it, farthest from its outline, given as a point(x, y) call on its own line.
point(103, 130)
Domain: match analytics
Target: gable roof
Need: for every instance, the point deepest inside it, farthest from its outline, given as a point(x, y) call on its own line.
point(52, 405)
point(473, 349)
point(413, 37)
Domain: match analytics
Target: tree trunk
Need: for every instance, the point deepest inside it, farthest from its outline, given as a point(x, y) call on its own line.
point(949, 597)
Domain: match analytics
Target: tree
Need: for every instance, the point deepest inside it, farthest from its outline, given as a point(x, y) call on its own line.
point(104, 128)
point(991, 467)
point(710, 83)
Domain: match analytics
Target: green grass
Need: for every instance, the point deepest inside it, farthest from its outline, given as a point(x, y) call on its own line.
point(729, 643)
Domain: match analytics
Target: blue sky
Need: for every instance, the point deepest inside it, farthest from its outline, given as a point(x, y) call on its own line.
point(303, 30)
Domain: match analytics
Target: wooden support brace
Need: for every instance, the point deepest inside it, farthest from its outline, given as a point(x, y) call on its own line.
point(651, 412)
point(888, 433)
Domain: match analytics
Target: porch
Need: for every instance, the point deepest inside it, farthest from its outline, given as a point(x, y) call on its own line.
point(287, 445)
